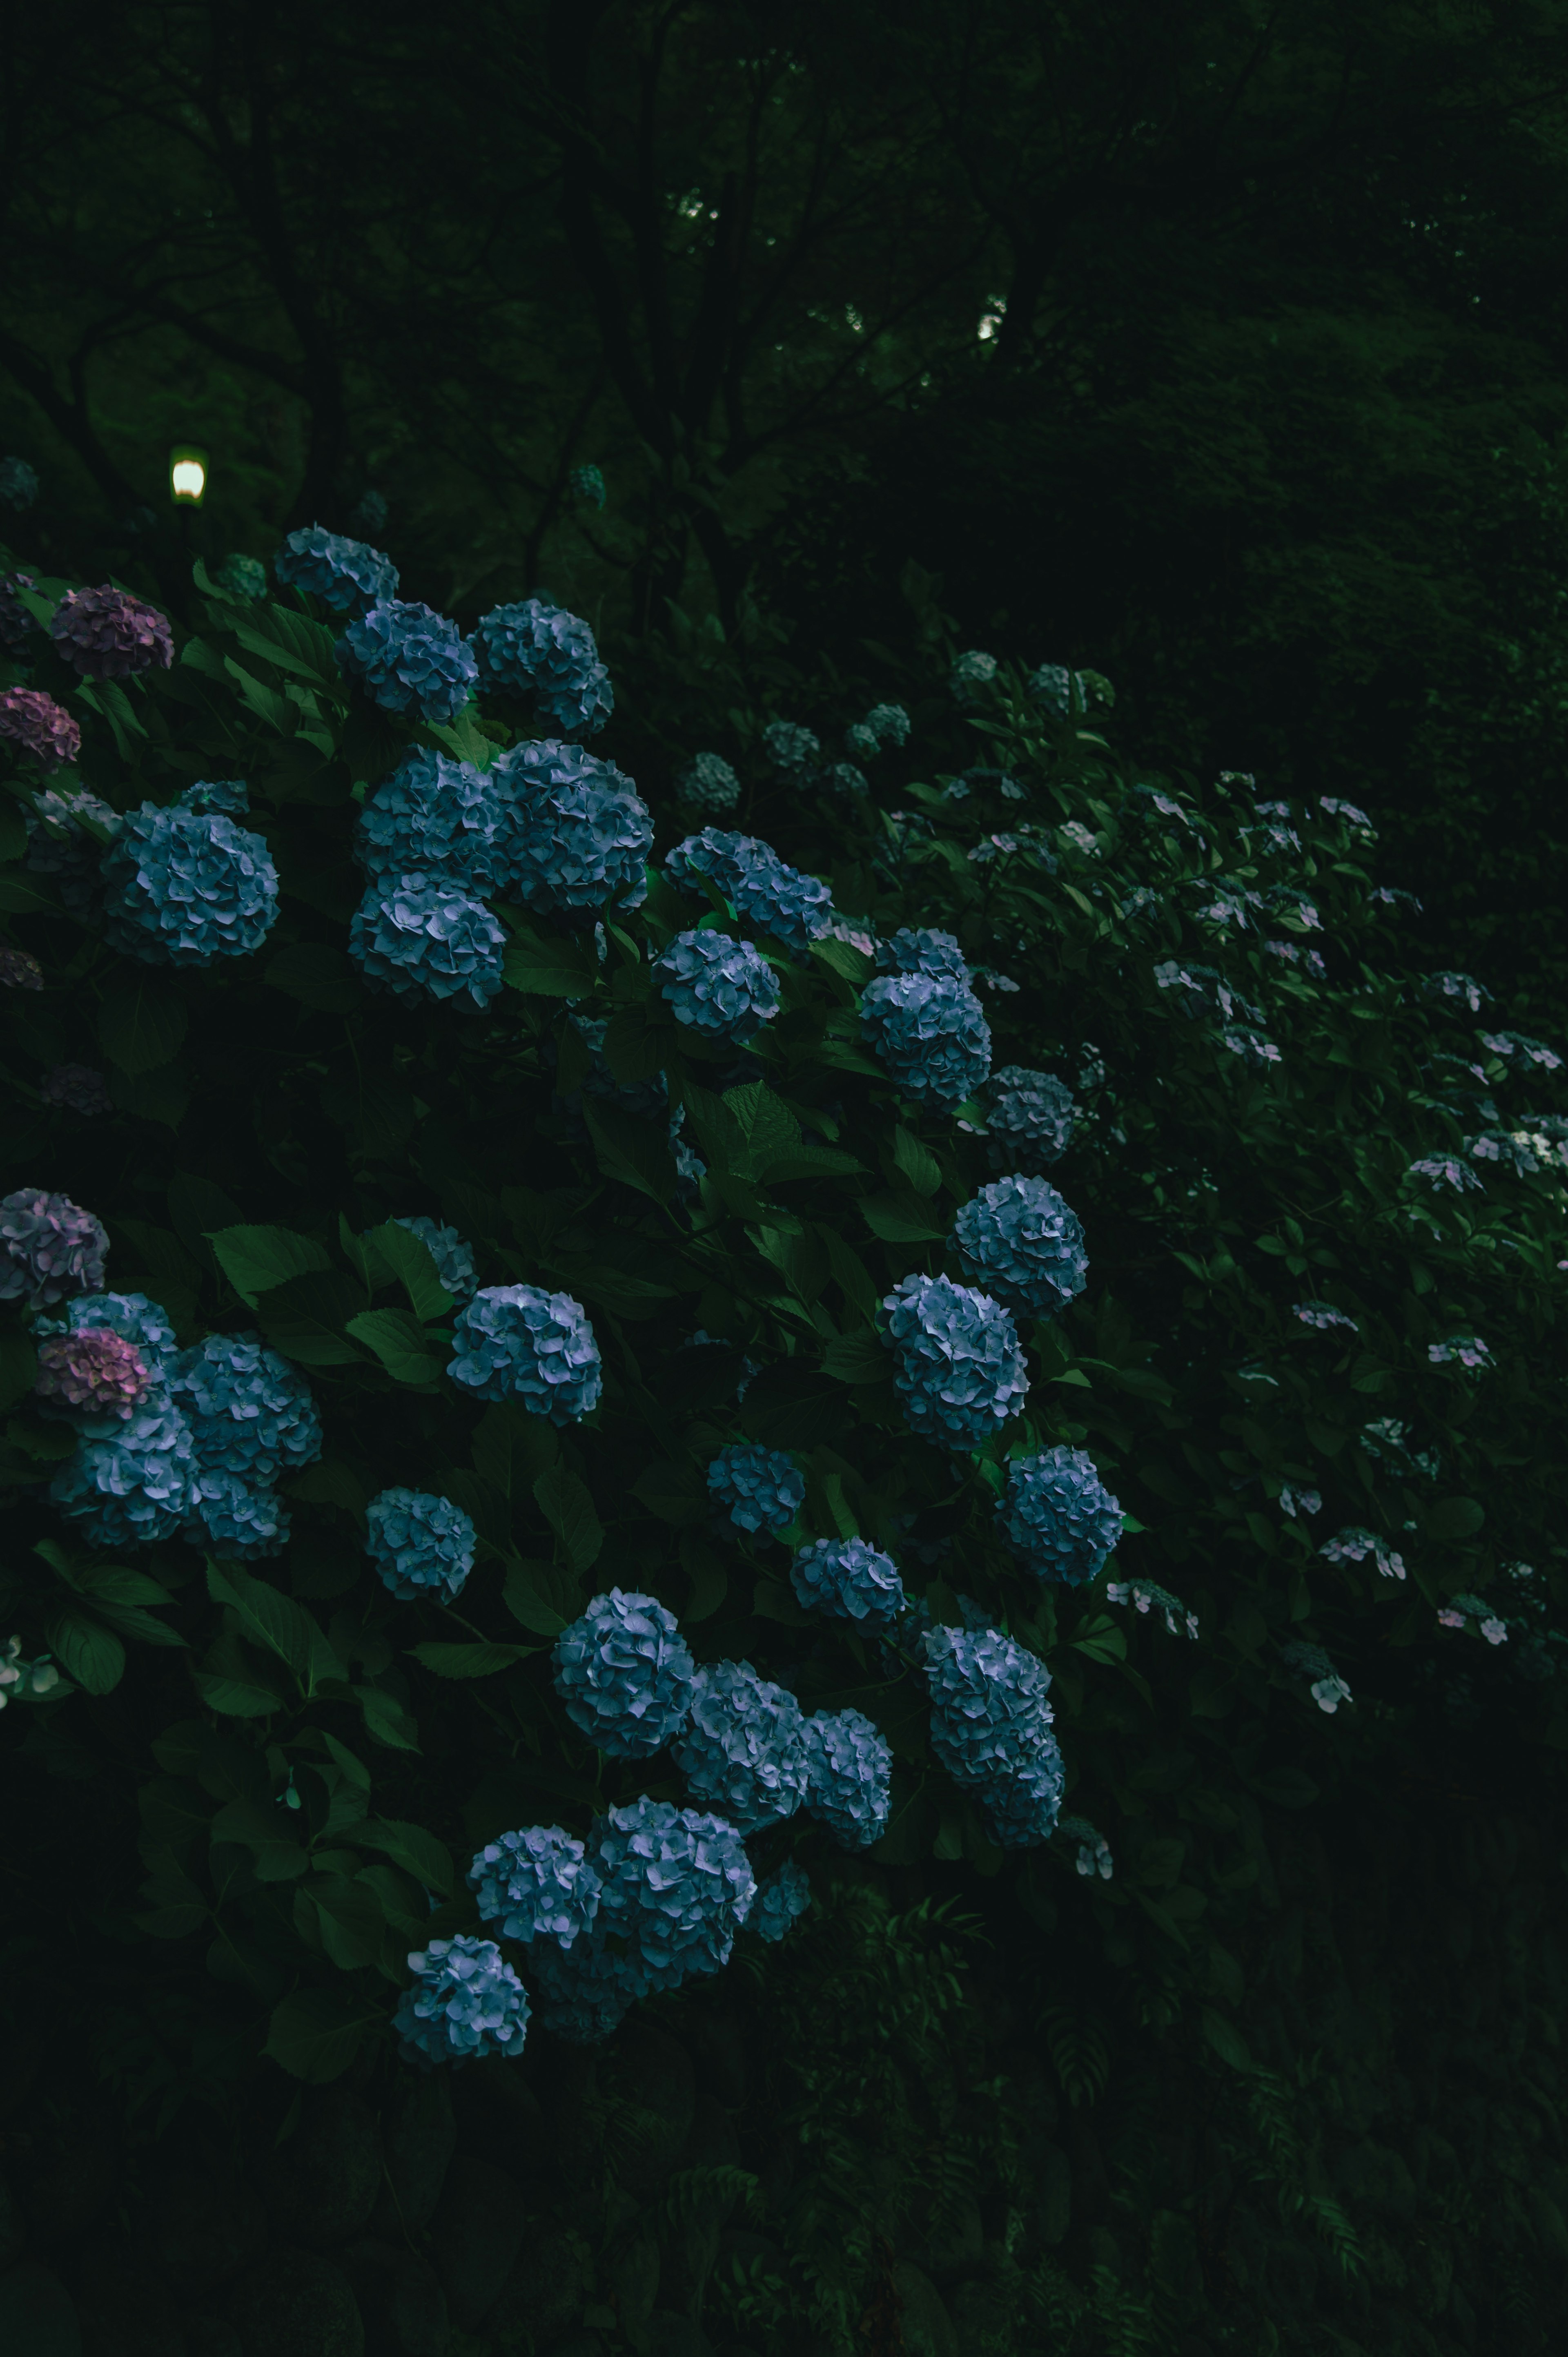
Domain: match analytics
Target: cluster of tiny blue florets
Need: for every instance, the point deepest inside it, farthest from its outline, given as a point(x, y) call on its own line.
point(184, 887)
point(420, 1545)
point(931, 1033)
point(795, 907)
point(623, 1672)
point(709, 783)
point(991, 1728)
point(536, 1884)
point(409, 659)
point(742, 1748)
point(432, 816)
point(788, 745)
point(251, 1413)
point(780, 1903)
point(421, 936)
point(345, 574)
point(132, 1487)
point(454, 1258)
point(1060, 1516)
point(921, 949)
point(538, 651)
point(1029, 1117)
point(885, 724)
point(578, 841)
point(849, 1579)
point(957, 1363)
point(517, 1341)
point(758, 1489)
point(465, 2002)
point(717, 984)
point(232, 1516)
point(849, 1775)
point(1022, 1239)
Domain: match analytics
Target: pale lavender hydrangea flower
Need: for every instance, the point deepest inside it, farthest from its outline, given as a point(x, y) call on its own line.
point(1355, 1544)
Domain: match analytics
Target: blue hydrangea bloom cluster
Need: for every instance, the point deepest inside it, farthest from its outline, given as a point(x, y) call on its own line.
point(251, 1413)
point(849, 1775)
point(465, 2002)
point(536, 1884)
point(517, 1341)
point(409, 659)
point(991, 1728)
point(849, 1579)
point(795, 907)
point(133, 1317)
point(780, 1903)
point(578, 841)
point(49, 1248)
point(1029, 1117)
point(420, 1545)
point(132, 1487)
point(931, 1033)
point(454, 1258)
point(1022, 1239)
point(421, 936)
point(625, 1671)
point(709, 783)
point(758, 1489)
point(717, 984)
point(957, 1364)
point(788, 745)
point(229, 795)
point(432, 816)
point(538, 651)
point(183, 887)
point(885, 724)
point(1059, 1516)
point(675, 1886)
point(345, 574)
point(921, 949)
point(743, 1748)
point(233, 1517)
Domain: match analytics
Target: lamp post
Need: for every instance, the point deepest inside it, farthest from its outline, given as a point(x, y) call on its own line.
point(186, 475)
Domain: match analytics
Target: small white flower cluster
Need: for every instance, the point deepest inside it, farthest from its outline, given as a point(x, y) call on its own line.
point(1322, 1315)
point(1354, 1545)
point(1525, 1151)
point(1348, 812)
point(1093, 1849)
point(1080, 837)
point(19, 1678)
point(1386, 1436)
point(1513, 1044)
point(1467, 1350)
point(1146, 1598)
point(1293, 1501)
point(1460, 1611)
point(1445, 1171)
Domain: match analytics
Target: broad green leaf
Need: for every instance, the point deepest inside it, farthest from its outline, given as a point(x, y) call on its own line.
point(86, 1650)
point(175, 1906)
point(1100, 1638)
point(141, 1024)
point(13, 832)
point(265, 1830)
point(469, 1660)
point(277, 1621)
point(860, 1358)
point(26, 895)
point(229, 1681)
point(509, 1444)
point(674, 1493)
point(412, 1263)
point(464, 737)
point(314, 2034)
point(551, 967)
point(566, 1506)
point(305, 1318)
point(18, 1366)
point(767, 1126)
point(851, 1274)
point(705, 1569)
point(412, 1848)
point(917, 1163)
point(900, 1219)
point(1453, 1519)
point(255, 1259)
point(1226, 2040)
point(386, 1721)
point(401, 1343)
point(844, 958)
point(291, 641)
point(636, 1045)
point(318, 975)
point(631, 1150)
point(268, 706)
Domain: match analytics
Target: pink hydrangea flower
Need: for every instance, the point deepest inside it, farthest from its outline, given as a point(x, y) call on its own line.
point(108, 634)
point(76, 1086)
point(38, 726)
point(95, 1369)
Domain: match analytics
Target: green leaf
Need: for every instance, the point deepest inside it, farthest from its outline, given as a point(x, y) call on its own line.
point(314, 2034)
point(900, 1217)
point(254, 1260)
point(412, 1848)
point(414, 1264)
point(305, 1318)
point(917, 1163)
point(276, 1622)
point(768, 1128)
point(508, 1442)
point(23, 895)
point(228, 1681)
point(851, 1274)
point(631, 1150)
point(386, 1721)
point(292, 640)
point(265, 1829)
point(705, 1570)
point(1453, 1519)
point(469, 1660)
point(844, 958)
point(1226, 2040)
point(673, 1493)
point(318, 975)
point(636, 1045)
point(860, 1358)
point(141, 1024)
point(18, 1366)
point(531, 1609)
point(548, 966)
point(268, 706)
point(400, 1342)
point(1101, 1639)
point(86, 1650)
point(566, 1506)
point(13, 832)
point(464, 737)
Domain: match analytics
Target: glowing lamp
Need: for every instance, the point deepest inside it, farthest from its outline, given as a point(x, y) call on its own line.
point(187, 476)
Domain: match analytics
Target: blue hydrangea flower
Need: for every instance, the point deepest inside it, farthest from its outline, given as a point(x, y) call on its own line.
point(586, 1991)
point(885, 724)
point(957, 1364)
point(18, 482)
point(788, 746)
point(849, 1579)
point(1023, 1241)
point(454, 1259)
point(517, 1341)
point(623, 1672)
point(233, 1517)
point(409, 659)
point(971, 671)
point(795, 907)
point(849, 1775)
point(422, 937)
point(709, 783)
point(1022, 1809)
point(536, 1884)
point(719, 985)
point(132, 1487)
point(990, 1716)
point(420, 1545)
point(229, 795)
point(539, 764)
point(587, 483)
point(250, 1412)
point(131, 1316)
point(743, 1750)
point(931, 1033)
point(758, 1489)
point(580, 843)
point(1060, 1516)
point(432, 816)
point(241, 577)
point(344, 574)
point(780, 1903)
point(538, 651)
point(919, 949)
point(182, 887)
point(1029, 1117)
point(465, 2002)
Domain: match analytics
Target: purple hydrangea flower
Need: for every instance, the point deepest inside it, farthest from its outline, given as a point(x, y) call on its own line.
point(1022, 1239)
point(345, 574)
point(758, 1489)
point(517, 1341)
point(536, 1884)
point(422, 937)
point(780, 1903)
point(743, 1748)
point(420, 1545)
point(432, 816)
point(958, 1367)
point(1029, 1118)
point(465, 2002)
point(183, 887)
point(39, 726)
point(409, 659)
point(719, 985)
point(538, 650)
point(108, 634)
point(625, 1673)
point(849, 1776)
point(96, 1370)
point(19, 970)
point(1059, 1516)
point(849, 1579)
point(930, 1034)
point(49, 1248)
point(77, 1087)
